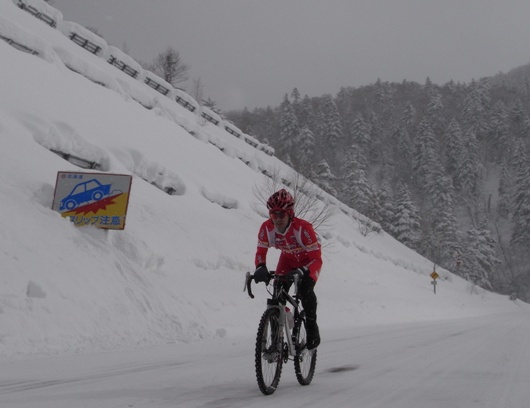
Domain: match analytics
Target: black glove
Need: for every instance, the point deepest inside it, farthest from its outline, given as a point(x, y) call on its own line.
point(262, 274)
point(302, 273)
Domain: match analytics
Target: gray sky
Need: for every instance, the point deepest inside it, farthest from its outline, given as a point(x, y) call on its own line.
point(251, 52)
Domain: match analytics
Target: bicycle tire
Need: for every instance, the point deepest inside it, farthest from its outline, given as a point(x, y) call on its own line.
point(268, 360)
point(305, 360)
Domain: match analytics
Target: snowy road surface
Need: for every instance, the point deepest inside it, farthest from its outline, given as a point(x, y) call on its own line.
point(462, 363)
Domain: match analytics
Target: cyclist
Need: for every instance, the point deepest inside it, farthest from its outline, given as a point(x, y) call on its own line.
point(300, 255)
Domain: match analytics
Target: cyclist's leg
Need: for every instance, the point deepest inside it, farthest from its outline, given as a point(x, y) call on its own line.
point(284, 265)
point(309, 302)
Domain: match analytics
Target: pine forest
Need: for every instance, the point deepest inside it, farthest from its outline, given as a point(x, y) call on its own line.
point(443, 169)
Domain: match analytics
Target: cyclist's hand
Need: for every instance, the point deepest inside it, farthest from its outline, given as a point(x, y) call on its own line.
point(262, 274)
point(302, 273)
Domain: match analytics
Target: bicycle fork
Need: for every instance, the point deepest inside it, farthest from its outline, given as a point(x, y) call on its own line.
point(284, 335)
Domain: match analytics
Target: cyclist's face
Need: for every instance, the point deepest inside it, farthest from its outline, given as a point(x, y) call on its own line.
point(280, 219)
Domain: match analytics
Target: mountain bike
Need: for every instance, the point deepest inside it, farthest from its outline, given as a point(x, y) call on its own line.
point(281, 336)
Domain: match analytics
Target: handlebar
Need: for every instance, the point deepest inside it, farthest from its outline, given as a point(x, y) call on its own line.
point(248, 282)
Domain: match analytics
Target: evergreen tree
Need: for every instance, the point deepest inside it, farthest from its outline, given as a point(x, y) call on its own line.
point(296, 102)
point(445, 227)
point(402, 151)
point(356, 189)
point(324, 178)
point(384, 96)
point(479, 259)
point(499, 135)
point(385, 205)
point(345, 108)
point(520, 120)
point(377, 139)
point(453, 149)
point(406, 225)
point(504, 191)
point(408, 118)
point(333, 127)
point(306, 116)
point(469, 171)
point(306, 148)
point(521, 197)
point(289, 127)
point(474, 112)
point(424, 153)
point(360, 132)
point(434, 110)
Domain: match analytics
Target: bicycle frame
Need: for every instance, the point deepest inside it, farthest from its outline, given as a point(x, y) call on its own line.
point(278, 300)
point(281, 297)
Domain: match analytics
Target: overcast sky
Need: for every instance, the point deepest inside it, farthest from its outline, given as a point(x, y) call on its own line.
point(251, 52)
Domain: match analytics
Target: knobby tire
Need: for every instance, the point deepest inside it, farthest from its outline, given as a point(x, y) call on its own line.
point(305, 360)
point(268, 356)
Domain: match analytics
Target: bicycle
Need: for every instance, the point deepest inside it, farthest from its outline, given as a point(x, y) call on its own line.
point(281, 336)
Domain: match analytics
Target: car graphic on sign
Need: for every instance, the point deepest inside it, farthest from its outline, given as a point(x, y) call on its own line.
point(91, 190)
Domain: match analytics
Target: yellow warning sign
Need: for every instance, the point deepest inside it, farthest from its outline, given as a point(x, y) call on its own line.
point(97, 199)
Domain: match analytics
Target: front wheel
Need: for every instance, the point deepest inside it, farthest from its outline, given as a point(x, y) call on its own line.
point(305, 360)
point(268, 358)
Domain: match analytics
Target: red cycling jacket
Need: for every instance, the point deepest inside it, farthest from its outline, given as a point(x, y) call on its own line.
point(299, 245)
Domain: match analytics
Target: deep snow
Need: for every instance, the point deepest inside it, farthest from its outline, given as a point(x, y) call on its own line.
point(175, 274)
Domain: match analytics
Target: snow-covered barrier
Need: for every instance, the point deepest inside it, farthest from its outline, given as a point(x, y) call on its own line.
point(24, 41)
point(232, 129)
point(42, 10)
point(84, 37)
point(185, 100)
point(123, 62)
point(157, 83)
point(211, 116)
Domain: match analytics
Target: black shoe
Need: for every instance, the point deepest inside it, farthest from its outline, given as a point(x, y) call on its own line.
point(313, 343)
point(313, 335)
point(270, 354)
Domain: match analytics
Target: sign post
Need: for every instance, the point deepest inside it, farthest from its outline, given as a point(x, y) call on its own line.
point(434, 276)
point(97, 199)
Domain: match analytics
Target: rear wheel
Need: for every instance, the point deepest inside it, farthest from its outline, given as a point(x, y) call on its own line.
point(305, 360)
point(268, 357)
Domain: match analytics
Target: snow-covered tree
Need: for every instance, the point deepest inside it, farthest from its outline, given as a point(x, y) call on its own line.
point(305, 148)
point(385, 205)
point(479, 259)
point(289, 127)
point(519, 120)
point(469, 171)
point(356, 188)
point(333, 128)
point(475, 108)
point(306, 116)
point(499, 132)
point(324, 178)
point(434, 109)
point(521, 197)
point(360, 131)
point(424, 153)
point(402, 151)
point(453, 144)
point(406, 225)
point(504, 190)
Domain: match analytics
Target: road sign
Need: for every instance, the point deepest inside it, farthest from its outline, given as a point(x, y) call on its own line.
point(434, 275)
point(98, 199)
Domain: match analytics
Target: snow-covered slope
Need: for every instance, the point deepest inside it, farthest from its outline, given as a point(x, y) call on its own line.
point(176, 272)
